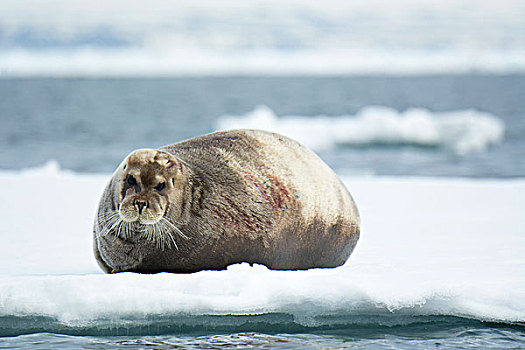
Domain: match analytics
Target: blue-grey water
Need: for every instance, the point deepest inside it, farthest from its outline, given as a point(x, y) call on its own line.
point(89, 125)
point(455, 339)
point(271, 331)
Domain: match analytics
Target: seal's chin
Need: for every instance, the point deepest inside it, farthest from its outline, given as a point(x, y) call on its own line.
point(149, 220)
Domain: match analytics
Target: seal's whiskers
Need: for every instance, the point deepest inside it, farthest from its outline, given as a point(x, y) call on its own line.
point(160, 233)
point(114, 226)
point(109, 222)
point(172, 226)
point(164, 229)
point(149, 233)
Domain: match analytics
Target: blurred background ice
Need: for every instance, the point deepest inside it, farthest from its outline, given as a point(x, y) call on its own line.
point(202, 37)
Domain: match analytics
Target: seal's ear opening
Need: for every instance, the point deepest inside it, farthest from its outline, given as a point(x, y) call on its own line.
point(170, 162)
point(165, 159)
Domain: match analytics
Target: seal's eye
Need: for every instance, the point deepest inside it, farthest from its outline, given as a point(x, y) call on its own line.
point(131, 180)
point(160, 186)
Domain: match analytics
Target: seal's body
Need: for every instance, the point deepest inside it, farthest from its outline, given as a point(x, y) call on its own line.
point(224, 198)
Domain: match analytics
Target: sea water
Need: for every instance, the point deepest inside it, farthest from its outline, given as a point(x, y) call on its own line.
point(459, 125)
point(439, 263)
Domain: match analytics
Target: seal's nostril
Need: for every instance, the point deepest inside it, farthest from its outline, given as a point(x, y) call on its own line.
point(140, 205)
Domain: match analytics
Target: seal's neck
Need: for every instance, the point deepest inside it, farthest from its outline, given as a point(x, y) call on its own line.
point(193, 193)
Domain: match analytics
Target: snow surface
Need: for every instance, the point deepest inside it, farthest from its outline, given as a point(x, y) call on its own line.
point(428, 247)
point(462, 131)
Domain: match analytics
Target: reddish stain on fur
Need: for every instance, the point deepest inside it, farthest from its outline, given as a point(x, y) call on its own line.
point(271, 188)
point(279, 192)
point(239, 219)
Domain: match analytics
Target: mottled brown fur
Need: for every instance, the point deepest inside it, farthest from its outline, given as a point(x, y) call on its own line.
point(242, 196)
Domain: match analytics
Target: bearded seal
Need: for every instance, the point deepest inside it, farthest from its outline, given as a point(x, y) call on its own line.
point(224, 198)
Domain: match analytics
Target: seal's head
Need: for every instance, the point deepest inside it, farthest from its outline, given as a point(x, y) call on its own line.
point(151, 182)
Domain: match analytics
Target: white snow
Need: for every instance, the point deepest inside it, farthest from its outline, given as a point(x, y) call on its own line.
point(428, 246)
point(462, 131)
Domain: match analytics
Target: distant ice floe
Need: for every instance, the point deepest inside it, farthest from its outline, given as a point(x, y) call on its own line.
point(269, 37)
point(462, 131)
point(190, 61)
